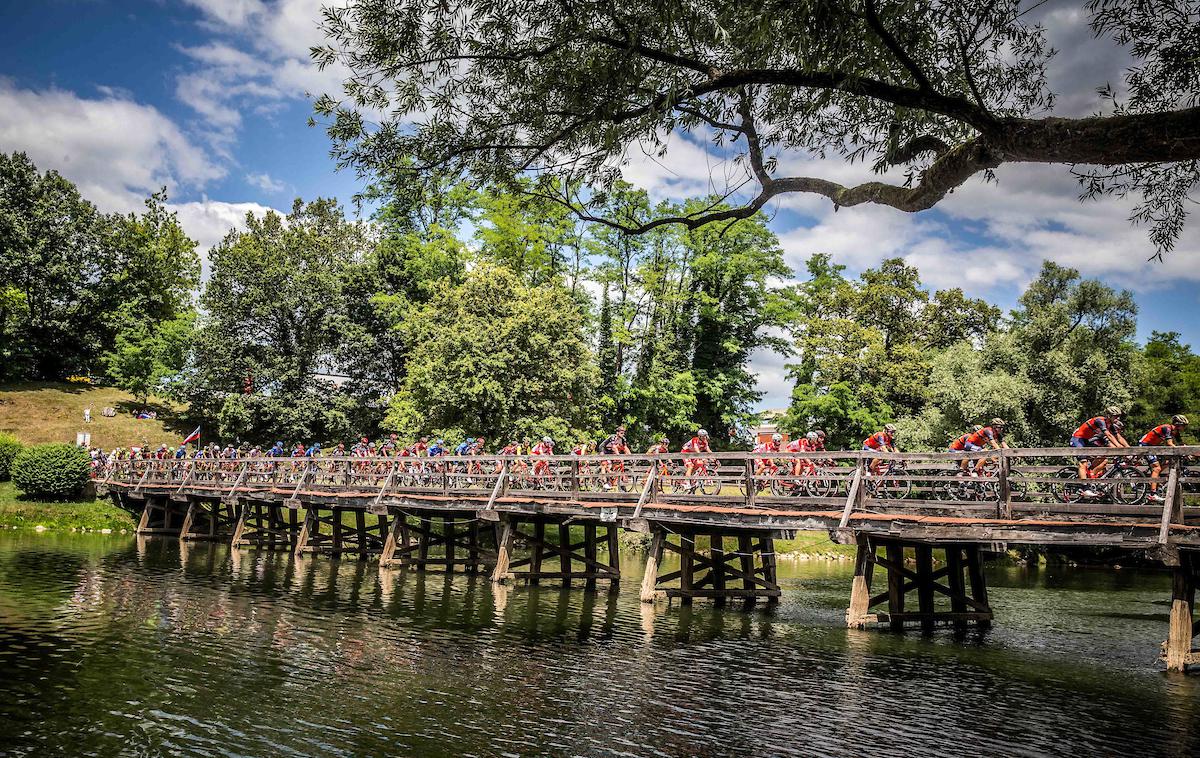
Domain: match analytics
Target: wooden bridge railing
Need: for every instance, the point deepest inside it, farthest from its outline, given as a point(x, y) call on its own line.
point(1013, 484)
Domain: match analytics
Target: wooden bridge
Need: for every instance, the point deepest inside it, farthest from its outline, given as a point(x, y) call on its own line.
point(557, 518)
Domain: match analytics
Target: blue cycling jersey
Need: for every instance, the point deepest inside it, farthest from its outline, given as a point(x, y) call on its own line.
point(435, 451)
point(462, 449)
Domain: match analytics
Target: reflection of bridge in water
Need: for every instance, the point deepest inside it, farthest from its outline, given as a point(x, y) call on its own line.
point(557, 519)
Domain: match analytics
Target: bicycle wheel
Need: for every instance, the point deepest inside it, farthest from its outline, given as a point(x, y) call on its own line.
point(1126, 492)
point(707, 485)
point(1070, 489)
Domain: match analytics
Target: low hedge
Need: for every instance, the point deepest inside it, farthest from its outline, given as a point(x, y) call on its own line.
point(54, 471)
point(9, 447)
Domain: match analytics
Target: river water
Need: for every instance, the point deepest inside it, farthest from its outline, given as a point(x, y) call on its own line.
point(113, 645)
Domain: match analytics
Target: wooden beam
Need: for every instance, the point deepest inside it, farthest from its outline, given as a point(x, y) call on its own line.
point(650, 577)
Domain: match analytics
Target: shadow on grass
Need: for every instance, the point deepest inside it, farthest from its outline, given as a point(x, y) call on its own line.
point(164, 415)
point(67, 387)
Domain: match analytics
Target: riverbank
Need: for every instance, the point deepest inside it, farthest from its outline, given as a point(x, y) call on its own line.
point(80, 515)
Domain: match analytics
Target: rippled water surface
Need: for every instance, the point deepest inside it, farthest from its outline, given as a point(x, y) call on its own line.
point(113, 645)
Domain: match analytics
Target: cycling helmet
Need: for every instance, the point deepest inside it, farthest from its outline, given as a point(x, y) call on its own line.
point(664, 440)
point(811, 436)
point(316, 446)
point(1118, 425)
point(424, 439)
point(278, 444)
point(1179, 420)
point(440, 442)
point(777, 438)
point(547, 440)
point(1113, 411)
point(889, 428)
point(702, 433)
point(820, 434)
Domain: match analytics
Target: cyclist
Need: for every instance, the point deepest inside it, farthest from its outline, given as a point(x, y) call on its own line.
point(276, 451)
point(613, 445)
point(360, 448)
point(697, 444)
point(1162, 435)
point(882, 441)
point(512, 448)
point(314, 451)
point(477, 446)
point(545, 447)
point(982, 438)
point(340, 452)
point(421, 446)
point(761, 465)
point(465, 446)
point(437, 449)
point(1096, 432)
point(661, 447)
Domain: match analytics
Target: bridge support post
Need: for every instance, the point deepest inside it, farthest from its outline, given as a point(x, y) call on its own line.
point(266, 524)
point(326, 531)
point(504, 544)
point(965, 588)
point(415, 542)
point(860, 592)
point(1177, 650)
point(209, 520)
point(566, 559)
point(747, 573)
point(161, 515)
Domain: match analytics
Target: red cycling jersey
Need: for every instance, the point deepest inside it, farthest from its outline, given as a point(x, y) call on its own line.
point(1093, 427)
point(542, 448)
point(960, 443)
point(982, 437)
point(696, 445)
point(878, 440)
point(798, 445)
point(1159, 435)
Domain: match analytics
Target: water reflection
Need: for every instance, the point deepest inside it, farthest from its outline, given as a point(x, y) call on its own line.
point(149, 645)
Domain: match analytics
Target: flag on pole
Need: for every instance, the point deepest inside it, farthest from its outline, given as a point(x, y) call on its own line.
point(194, 436)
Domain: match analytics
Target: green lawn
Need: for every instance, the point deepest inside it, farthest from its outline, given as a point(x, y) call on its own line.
point(53, 412)
point(16, 511)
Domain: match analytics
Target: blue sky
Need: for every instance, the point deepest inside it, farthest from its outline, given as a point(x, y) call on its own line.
point(209, 97)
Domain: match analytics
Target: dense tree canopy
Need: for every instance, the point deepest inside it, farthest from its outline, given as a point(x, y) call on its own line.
point(562, 90)
point(72, 280)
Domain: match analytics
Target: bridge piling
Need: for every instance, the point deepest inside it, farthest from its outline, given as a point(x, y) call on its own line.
point(707, 574)
point(1177, 650)
point(460, 530)
point(576, 560)
point(965, 587)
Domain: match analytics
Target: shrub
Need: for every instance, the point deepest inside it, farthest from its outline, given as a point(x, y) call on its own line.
point(54, 471)
point(9, 447)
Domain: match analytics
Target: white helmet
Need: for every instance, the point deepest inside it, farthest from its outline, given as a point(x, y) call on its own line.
point(812, 436)
point(702, 433)
point(777, 438)
point(547, 440)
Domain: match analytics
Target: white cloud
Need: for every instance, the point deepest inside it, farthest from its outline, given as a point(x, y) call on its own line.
point(208, 221)
point(259, 62)
point(116, 150)
point(265, 182)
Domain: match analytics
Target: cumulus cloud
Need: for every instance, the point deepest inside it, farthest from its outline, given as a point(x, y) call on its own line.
point(258, 61)
point(208, 221)
point(265, 182)
point(115, 149)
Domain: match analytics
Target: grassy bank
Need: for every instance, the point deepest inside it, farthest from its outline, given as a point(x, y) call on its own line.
point(95, 515)
point(53, 412)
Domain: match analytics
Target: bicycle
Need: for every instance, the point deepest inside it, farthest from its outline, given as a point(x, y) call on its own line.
point(1113, 483)
point(881, 487)
point(701, 480)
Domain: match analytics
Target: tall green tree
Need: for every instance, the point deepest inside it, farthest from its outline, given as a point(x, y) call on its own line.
point(52, 261)
point(496, 356)
point(1169, 382)
point(272, 308)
